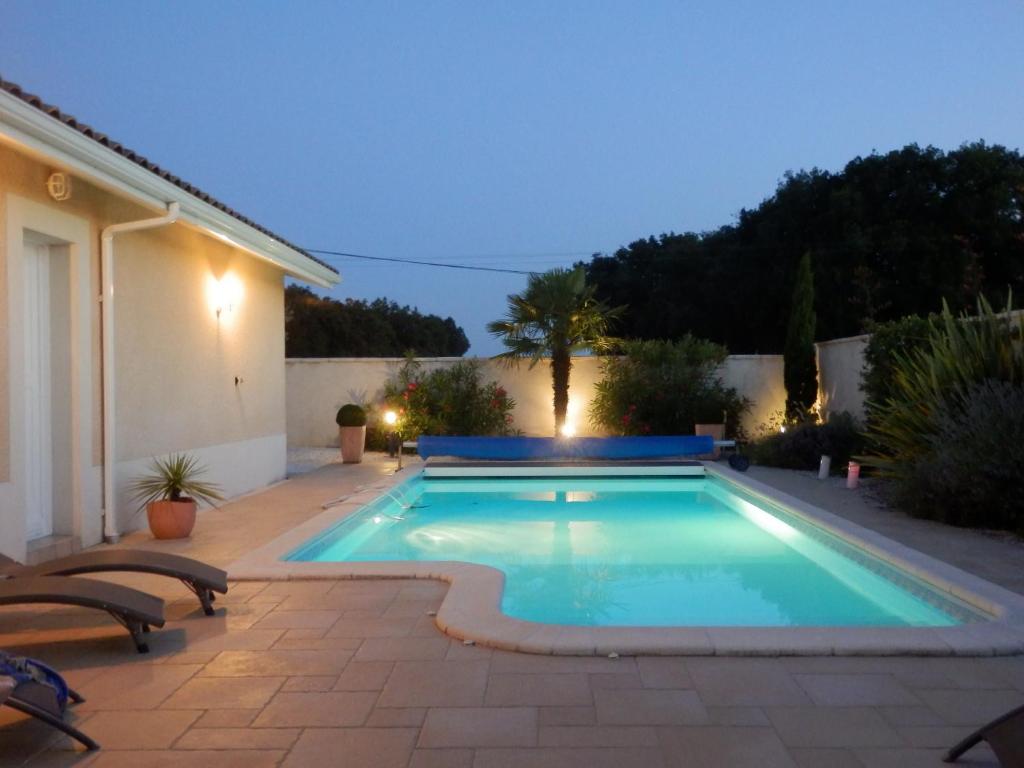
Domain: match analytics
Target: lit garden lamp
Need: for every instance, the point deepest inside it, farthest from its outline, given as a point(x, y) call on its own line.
point(395, 436)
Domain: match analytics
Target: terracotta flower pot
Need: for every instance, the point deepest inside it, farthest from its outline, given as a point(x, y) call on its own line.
point(352, 440)
point(171, 519)
point(717, 432)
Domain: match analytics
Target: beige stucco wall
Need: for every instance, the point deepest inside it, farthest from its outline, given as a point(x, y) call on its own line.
point(840, 368)
point(176, 361)
point(316, 388)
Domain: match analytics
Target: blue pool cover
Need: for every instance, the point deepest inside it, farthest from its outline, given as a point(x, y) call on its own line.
point(519, 448)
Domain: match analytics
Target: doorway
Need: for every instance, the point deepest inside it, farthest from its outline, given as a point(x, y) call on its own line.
point(46, 271)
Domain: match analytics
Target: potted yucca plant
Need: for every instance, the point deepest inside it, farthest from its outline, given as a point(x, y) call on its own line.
point(169, 494)
point(351, 421)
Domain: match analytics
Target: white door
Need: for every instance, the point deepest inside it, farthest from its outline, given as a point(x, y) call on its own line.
point(38, 403)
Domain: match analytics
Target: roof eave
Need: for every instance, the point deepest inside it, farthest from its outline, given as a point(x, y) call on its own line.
point(28, 127)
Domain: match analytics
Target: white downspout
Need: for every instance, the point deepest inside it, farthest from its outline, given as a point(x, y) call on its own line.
point(110, 533)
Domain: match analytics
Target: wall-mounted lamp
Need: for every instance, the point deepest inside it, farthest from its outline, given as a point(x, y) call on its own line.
point(224, 295)
point(59, 186)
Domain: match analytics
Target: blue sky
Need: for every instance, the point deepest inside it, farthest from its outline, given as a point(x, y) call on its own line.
point(516, 134)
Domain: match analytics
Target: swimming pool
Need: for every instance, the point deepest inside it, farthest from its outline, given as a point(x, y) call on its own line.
point(658, 552)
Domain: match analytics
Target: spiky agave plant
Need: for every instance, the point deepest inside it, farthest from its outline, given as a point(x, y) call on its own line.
point(174, 479)
point(931, 382)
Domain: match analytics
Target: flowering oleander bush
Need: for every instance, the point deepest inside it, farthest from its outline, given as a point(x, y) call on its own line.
point(448, 401)
point(664, 388)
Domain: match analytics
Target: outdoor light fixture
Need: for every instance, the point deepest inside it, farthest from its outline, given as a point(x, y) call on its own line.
point(394, 438)
point(224, 294)
point(568, 429)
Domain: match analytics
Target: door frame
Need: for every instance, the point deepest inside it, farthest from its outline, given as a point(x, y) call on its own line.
point(75, 233)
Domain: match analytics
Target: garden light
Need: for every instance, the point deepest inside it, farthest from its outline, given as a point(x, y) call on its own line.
point(568, 430)
point(390, 418)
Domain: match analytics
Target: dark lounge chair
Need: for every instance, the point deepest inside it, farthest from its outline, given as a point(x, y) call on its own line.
point(135, 610)
point(199, 577)
point(1005, 735)
point(33, 688)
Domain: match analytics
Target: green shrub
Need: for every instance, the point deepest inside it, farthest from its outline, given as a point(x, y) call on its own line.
point(803, 444)
point(888, 342)
point(351, 416)
point(664, 388)
point(969, 371)
point(972, 473)
point(448, 401)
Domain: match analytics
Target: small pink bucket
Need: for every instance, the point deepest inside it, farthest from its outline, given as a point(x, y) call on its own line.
point(853, 475)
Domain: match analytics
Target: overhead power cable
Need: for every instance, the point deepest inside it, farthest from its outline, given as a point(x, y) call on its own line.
point(397, 260)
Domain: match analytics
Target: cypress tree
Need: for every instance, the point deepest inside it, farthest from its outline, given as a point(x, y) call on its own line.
point(801, 369)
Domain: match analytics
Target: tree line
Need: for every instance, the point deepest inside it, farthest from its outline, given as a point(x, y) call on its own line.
point(317, 326)
point(889, 235)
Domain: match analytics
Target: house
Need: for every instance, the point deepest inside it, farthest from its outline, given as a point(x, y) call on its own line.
point(139, 317)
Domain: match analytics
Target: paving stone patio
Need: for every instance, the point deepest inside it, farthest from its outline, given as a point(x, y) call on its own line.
point(354, 673)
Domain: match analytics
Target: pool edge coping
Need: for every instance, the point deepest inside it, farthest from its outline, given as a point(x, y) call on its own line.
point(471, 610)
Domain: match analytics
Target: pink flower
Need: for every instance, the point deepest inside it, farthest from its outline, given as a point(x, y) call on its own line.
point(626, 418)
point(412, 385)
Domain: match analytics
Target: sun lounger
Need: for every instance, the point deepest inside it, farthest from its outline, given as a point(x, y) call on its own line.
point(1005, 735)
point(135, 610)
point(33, 688)
point(199, 577)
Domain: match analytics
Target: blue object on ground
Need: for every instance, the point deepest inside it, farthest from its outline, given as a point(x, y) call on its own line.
point(520, 448)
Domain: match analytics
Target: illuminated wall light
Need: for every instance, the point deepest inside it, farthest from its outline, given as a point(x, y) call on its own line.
point(224, 295)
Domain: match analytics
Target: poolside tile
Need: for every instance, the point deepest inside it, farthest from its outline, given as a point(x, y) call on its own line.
point(525, 663)
point(973, 707)
point(353, 748)
point(224, 693)
point(333, 709)
point(832, 727)
point(479, 727)
point(738, 716)
point(856, 690)
point(350, 626)
point(279, 662)
point(649, 707)
point(221, 758)
point(663, 672)
point(226, 718)
point(458, 651)
point(138, 687)
point(915, 758)
point(615, 680)
point(919, 715)
point(825, 758)
point(566, 715)
point(550, 690)
point(435, 684)
point(238, 738)
point(141, 729)
point(364, 676)
point(597, 736)
point(744, 682)
point(403, 649)
point(717, 746)
point(568, 757)
point(442, 758)
point(298, 619)
point(396, 717)
point(308, 684)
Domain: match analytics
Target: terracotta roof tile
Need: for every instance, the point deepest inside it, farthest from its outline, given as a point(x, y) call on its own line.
point(29, 98)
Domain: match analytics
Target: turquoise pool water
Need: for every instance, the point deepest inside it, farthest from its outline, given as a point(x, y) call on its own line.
point(638, 552)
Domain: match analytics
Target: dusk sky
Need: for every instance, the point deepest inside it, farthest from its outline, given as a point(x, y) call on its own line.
point(518, 134)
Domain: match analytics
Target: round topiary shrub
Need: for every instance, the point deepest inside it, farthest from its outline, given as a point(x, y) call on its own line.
point(351, 416)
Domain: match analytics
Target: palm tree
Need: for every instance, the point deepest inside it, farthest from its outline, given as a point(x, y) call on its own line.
point(555, 316)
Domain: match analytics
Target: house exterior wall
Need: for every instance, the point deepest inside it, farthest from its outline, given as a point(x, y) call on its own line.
point(316, 388)
point(176, 360)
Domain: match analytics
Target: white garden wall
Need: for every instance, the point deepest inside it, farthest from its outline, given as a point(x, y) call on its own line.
point(317, 387)
point(840, 363)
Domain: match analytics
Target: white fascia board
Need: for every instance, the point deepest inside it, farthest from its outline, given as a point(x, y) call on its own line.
point(44, 136)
